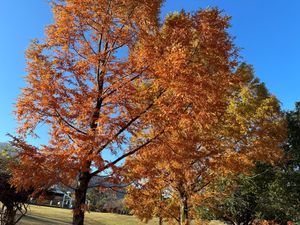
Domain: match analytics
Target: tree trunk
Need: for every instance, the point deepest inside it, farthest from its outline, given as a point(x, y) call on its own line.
point(80, 199)
point(10, 214)
point(184, 211)
point(160, 222)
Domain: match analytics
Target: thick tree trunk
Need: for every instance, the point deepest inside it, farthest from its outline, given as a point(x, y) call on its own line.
point(80, 199)
point(10, 214)
point(184, 211)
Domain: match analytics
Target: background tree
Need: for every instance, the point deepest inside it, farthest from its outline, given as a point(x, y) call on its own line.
point(186, 164)
point(107, 72)
point(96, 199)
point(270, 192)
point(107, 199)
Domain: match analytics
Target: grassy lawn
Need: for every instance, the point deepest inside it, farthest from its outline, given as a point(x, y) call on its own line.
point(38, 215)
point(49, 216)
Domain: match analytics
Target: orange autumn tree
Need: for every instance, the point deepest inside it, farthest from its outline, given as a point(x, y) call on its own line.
point(178, 172)
point(107, 72)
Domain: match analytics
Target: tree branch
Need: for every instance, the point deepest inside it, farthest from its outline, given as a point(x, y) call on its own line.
point(129, 153)
point(69, 124)
point(130, 122)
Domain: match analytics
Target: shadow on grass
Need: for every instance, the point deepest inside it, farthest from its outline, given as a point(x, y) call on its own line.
point(50, 221)
point(45, 220)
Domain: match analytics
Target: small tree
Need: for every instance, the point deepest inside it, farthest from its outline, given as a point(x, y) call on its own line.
point(12, 201)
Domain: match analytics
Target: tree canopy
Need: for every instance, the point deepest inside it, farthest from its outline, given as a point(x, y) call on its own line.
point(181, 170)
point(269, 192)
point(111, 77)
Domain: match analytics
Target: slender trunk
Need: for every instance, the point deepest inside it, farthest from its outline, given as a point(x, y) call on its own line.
point(184, 211)
point(160, 222)
point(80, 199)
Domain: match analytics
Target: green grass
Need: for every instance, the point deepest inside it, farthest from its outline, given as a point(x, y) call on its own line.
point(38, 215)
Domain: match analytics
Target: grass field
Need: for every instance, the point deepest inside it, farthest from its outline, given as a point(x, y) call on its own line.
point(54, 216)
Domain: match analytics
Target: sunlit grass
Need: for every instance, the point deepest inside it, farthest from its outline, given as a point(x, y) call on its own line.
point(45, 216)
point(38, 215)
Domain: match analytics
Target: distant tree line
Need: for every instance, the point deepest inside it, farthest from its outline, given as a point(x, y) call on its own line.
point(106, 201)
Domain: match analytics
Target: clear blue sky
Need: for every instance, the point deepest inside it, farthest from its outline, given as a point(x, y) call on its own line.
point(267, 30)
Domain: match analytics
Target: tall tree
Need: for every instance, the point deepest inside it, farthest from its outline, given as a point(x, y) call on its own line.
point(186, 165)
point(107, 72)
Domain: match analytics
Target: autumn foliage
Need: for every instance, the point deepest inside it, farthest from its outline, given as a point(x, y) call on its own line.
point(183, 170)
point(110, 77)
